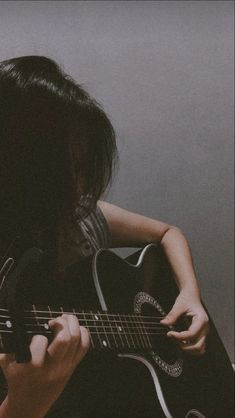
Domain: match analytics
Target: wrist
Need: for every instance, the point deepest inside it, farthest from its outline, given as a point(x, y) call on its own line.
point(10, 409)
point(13, 407)
point(190, 291)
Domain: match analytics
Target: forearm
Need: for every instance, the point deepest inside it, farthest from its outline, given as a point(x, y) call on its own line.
point(179, 255)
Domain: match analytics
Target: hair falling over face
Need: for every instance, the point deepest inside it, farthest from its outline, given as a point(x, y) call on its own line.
point(56, 144)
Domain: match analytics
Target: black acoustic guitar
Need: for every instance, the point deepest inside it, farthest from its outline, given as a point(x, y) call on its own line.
point(133, 369)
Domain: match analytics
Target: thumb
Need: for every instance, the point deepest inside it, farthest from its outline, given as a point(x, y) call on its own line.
point(173, 315)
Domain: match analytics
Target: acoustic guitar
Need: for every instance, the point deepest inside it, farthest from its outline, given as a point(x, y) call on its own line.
point(121, 303)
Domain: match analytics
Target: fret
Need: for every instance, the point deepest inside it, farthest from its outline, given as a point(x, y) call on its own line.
point(118, 332)
point(127, 333)
point(39, 322)
point(131, 330)
point(112, 331)
point(81, 318)
point(96, 319)
point(138, 321)
point(144, 333)
point(136, 332)
point(105, 341)
point(49, 311)
point(141, 331)
point(122, 329)
point(149, 344)
point(86, 325)
point(35, 314)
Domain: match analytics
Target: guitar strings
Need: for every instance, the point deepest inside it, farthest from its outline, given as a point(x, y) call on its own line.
point(96, 333)
point(59, 313)
point(126, 329)
point(95, 322)
point(122, 323)
point(153, 325)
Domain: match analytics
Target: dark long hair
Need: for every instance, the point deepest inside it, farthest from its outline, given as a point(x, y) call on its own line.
point(56, 144)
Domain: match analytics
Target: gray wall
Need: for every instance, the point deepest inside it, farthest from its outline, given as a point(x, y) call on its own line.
point(164, 72)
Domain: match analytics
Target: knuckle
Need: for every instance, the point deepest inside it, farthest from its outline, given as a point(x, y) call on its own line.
point(55, 378)
point(36, 364)
point(75, 336)
point(5, 359)
point(65, 316)
point(186, 336)
point(58, 321)
point(63, 338)
point(204, 319)
point(62, 319)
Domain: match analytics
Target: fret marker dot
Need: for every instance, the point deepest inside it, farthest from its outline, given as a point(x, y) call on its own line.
point(96, 317)
point(46, 326)
point(120, 328)
point(104, 343)
point(8, 324)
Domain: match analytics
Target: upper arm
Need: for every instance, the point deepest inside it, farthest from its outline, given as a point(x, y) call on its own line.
point(131, 229)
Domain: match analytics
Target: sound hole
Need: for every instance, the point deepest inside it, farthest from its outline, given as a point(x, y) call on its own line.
point(162, 345)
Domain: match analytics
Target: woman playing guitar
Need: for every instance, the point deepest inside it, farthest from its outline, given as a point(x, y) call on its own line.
point(57, 150)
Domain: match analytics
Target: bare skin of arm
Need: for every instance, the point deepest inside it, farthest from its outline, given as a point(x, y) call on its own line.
point(34, 386)
point(131, 229)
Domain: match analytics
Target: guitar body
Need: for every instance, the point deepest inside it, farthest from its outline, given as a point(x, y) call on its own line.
point(155, 380)
point(185, 385)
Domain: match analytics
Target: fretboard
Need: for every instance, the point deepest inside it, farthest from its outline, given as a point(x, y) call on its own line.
point(121, 332)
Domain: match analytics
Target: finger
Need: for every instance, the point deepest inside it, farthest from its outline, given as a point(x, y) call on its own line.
point(84, 343)
point(75, 333)
point(173, 315)
point(62, 337)
point(38, 348)
point(74, 328)
point(197, 348)
point(193, 332)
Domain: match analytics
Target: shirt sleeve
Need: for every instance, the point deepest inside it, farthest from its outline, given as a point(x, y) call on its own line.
point(95, 229)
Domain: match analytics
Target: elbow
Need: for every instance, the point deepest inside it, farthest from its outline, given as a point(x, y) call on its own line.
point(171, 230)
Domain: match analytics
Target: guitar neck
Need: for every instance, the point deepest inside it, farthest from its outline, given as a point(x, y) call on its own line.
point(107, 330)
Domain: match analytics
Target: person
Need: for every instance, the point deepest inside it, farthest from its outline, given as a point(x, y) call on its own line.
point(58, 153)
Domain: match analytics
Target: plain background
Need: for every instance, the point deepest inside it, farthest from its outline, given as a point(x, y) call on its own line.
point(163, 71)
